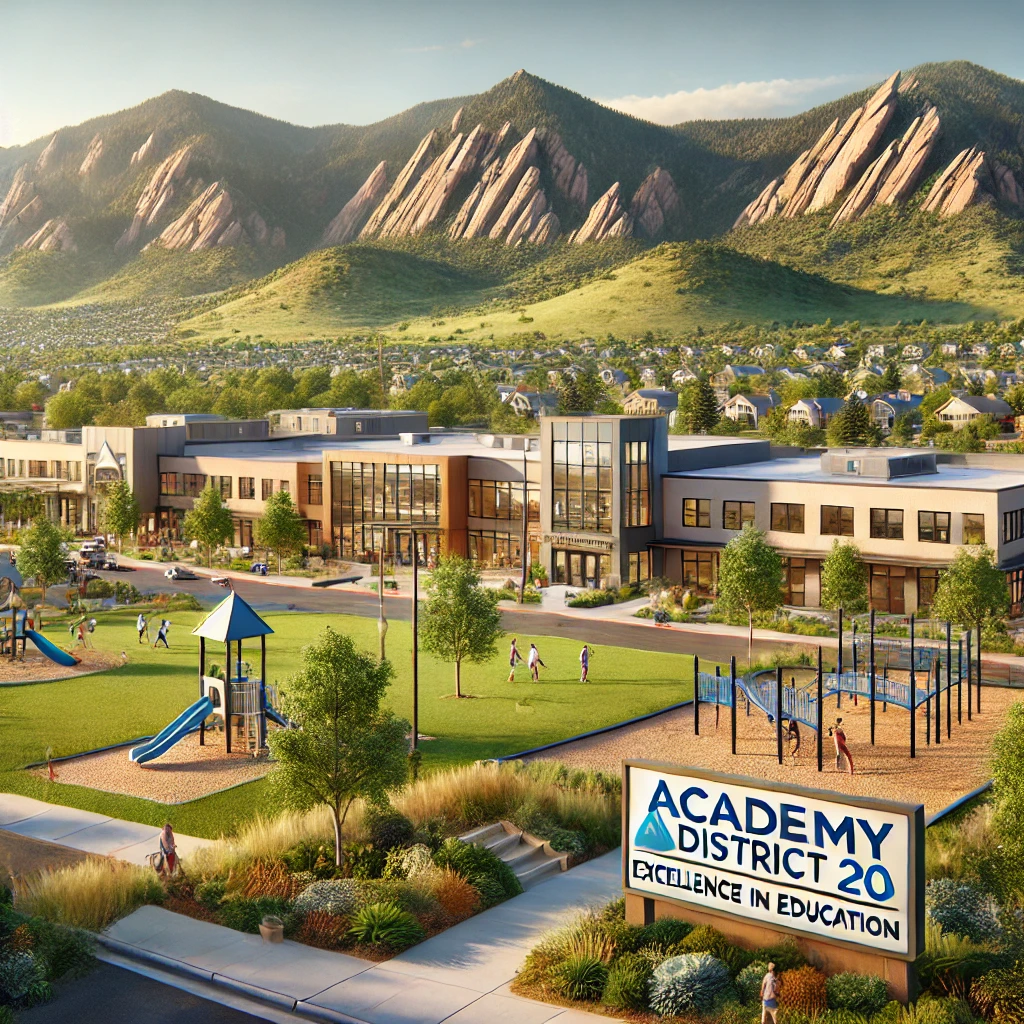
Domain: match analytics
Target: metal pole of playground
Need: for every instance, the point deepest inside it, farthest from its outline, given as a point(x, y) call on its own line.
point(938, 705)
point(820, 723)
point(718, 693)
point(853, 648)
point(913, 695)
point(968, 652)
point(978, 691)
point(778, 712)
point(227, 696)
point(949, 681)
point(928, 706)
point(839, 664)
point(696, 696)
point(959, 681)
point(871, 670)
point(416, 637)
point(732, 709)
point(263, 691)
point(202, 672)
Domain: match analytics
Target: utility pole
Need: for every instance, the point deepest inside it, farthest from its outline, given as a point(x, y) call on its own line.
point(525, 549)
point(382, 623)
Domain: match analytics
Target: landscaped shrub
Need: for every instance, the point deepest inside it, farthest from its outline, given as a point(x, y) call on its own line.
point(387, 925)
point(748, 981)
point(270, 879)
point(963, 909)
point(245, 915)
point(459, 899)
point(705, 939)
point(387, 828)
point(861, 993)
point(318, 928)
point(480, 867)
point(530, 817)
point(22, 979)
point(412, 896)
point(690, 982)
point(785, 955)
point(628, 980)
point(593, 598)
point(311, 855)
point(803, 989)
point(666, 932)
point(341, 896)
point(363, 860)
point(999, 994)
point(580, 977)
point(211, 893)
point(950, 963)
point(937, 1010)
point(63, 952)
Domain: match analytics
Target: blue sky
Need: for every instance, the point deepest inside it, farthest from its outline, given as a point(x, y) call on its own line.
point(324, 61)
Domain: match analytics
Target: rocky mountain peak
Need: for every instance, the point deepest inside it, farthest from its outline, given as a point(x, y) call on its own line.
point(92, 156)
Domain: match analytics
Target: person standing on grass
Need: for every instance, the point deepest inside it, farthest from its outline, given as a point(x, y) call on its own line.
point(770, 997)
point(142, 625)
point(838, 734)
point(161, 634)
point(584, 663)
point(534, 663)
point(513, 657)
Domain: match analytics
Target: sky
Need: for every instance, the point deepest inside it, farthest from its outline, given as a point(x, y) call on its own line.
point(327, 61)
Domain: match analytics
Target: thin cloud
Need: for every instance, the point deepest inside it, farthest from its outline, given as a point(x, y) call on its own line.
point(734, 99)
point(466, 44)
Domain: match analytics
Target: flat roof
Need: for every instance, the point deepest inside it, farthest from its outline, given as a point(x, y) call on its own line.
point(807, 470)
point(688, 442)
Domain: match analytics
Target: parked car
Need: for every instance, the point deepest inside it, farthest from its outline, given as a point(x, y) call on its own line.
point(111, 564)
point(260, 568)
point(179, 572)
point(221, 581)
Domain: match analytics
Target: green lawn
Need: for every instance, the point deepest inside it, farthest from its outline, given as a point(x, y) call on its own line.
point(111, 707)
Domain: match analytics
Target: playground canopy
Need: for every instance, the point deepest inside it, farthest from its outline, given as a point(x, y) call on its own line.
point(232, 619)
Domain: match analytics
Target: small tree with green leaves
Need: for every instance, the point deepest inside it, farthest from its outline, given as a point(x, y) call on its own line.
point(120, 511)
point(208, 521)
point(43, 556)
point(851, 427)
point(460, 620)
point(971, 589)
point(280, 529)
point(698, 407)
point(750, 578)
point(844, 579)
point(346, 746)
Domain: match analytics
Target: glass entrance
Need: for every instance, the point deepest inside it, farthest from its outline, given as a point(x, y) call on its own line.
point(581, 568)
point(887, 588)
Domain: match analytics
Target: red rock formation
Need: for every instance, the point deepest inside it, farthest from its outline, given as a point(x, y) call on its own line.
point(521, 198)
point(147, 151)
point(654, 200)
point(502, 185)
point(53, 236)
point(1007, 188)
point(547, 230)
point(21, 192)
point(764, 207)
point(971, 178)
point(529, 220)
point(92, 156)
point(408, 176)
point(207, 222)
point(606, 218)
point(157, 195)
point(457, 120)
point(570, 177)
point(356, 212)
point(497, 141)
point(48, 155)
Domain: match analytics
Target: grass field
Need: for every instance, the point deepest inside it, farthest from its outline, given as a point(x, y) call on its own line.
point(75, 715)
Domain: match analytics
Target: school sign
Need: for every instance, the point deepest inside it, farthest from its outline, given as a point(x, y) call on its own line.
point(824, 866)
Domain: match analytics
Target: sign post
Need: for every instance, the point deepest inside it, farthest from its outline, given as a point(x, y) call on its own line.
point(760, 860)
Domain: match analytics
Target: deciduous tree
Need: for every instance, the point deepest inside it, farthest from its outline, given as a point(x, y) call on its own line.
point(844, 579)
point(208, 521)
point(280, 528)
point(120, 511)
point(972, 588)
point(43, 556)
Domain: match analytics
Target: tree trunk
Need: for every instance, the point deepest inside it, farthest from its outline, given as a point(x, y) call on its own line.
point(458, 678)
point(337, 836)
point(750, 639)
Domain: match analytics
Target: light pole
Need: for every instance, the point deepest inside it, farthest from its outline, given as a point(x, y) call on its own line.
point(523, 550)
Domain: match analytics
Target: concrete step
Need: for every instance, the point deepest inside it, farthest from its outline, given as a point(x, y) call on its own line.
point(480, 836)
point(530, 858)
point(549, 866)
point(503, 844)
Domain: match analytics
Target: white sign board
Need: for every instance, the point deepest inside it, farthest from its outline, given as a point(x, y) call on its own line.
point(823, 865)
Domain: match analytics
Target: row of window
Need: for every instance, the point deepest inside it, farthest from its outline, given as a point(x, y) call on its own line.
point(39, 469)
point(502, 499)
point(837, 521)
point(191, 485)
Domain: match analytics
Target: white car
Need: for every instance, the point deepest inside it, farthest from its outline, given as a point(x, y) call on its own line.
point(179, 572)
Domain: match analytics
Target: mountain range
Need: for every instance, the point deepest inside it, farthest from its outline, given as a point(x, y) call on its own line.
point(523, 204)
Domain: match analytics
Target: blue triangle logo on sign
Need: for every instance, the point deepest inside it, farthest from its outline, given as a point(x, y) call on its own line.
point(652, 834)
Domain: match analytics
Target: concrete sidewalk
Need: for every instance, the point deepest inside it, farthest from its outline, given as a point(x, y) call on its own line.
point(85, 830)
point(461, 976)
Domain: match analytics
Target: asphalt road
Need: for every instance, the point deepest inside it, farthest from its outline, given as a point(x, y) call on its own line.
point(269, 597)
point(113, 994)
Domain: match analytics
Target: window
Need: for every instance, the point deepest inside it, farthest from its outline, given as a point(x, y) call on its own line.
point(315, 532)
point(787, 518)
point(284, 486)
point(246, 487)
point(581, 493)
point(927, 581)
point(794, 574)
point(315, 489)
point(502, 499)
point(636, 509)
point(10, 468)
point(170, 483)
point(974, 528)
point(36, 468)
point(490, 550)
point(700, 569)
point(1013, 525)
point(933, 527)
point(194, 484)
point(736, 514)
point(837, 520)
point(639, 566)
point(267, 488)
point(74, 471)
point(225, 487)
point(697, 512)
point(887, 523)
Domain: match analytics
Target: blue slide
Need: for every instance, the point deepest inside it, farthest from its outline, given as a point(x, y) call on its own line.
point(188, 721)
point(277, 718)
point(51, 650)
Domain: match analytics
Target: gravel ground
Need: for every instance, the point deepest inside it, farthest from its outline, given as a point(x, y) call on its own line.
point(35, 667)
point(937, 777)
point(187, 771)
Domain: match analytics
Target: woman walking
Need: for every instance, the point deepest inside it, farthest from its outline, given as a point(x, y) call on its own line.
point(168, 851)
point(513, 657)
point(584, 663)
point(534, 663)
point(838, 734)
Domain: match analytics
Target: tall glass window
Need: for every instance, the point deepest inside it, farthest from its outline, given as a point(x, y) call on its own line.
point(502, 499)
point(363, 492)
point(636, 508)
point(581, 461)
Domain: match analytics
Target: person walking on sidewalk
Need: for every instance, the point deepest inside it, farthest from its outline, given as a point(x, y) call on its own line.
point(168, 851)
point(534, 663)
point(838, 734)
point(513, 657)
point(770, 997)
point(584, 663)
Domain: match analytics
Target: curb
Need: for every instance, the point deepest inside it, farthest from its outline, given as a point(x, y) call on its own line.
point(957, 804)
point(137, 953)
